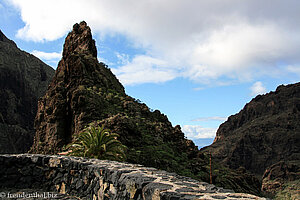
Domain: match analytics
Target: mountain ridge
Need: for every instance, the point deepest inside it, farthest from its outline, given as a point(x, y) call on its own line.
point(23, 79)
point(264, 138)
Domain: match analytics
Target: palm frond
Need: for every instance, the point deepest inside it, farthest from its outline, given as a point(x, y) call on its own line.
point(97, 142)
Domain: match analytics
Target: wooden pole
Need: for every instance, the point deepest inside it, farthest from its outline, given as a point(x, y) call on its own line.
point(210, 174)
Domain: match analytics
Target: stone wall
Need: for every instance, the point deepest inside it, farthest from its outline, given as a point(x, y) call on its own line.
point(102, 179)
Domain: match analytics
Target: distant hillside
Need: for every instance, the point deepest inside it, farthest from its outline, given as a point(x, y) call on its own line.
point(23, 79)
point(265, 132)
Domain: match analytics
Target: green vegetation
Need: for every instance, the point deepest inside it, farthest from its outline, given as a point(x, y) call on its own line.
point(97, 142)
point(161, 156)
point(149, 136)
point(151, 140)
point(290, 191)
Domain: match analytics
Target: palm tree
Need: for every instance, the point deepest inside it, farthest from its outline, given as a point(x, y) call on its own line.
point(97, 142)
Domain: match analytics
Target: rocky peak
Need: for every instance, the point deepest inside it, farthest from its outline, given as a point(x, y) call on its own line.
point(79, 64)
point(80, 41)
point(3, 38)
point(70, 101)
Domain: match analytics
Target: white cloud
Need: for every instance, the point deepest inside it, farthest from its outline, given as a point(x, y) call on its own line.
point(197, 132)
point(47, 56)
point(294, 69)
point(236, 51)
point(122, 58)
point(144, 69)
point(106, 62)
point(258, 88)
point(205, 41)
point(51, 58)
point(215, 118)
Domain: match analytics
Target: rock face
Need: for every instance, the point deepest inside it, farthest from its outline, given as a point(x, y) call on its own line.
point(72, 101)
point(264, 132)
point(23, 79)
point(85, 91)
point(279, 174)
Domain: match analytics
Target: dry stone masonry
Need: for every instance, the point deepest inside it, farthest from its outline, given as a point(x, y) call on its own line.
point(102, 179)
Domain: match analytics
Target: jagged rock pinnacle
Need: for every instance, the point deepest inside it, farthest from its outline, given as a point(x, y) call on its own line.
point(68, 104)
point(80, 41)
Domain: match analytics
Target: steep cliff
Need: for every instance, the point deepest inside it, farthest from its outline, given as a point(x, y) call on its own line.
point(23, 79)
point(265, 131)
point(84, 91)
point(264, 138)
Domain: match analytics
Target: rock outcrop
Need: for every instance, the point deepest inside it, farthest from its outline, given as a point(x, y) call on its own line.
point(264, 138)
point(23, 79)
point(85, 91)
point(277, 176)
point(76, 94)
point(264, 132)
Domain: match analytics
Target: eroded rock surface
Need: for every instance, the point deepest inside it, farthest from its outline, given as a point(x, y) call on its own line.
point(264, 138)
point(279, 174)
point(264, 132)
point(23, 79)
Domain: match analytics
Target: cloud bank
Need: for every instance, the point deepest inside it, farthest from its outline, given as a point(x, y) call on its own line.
point(198, 132)
point(51, 58)
point(46, 55)
point(210, 42)
point(258, 88)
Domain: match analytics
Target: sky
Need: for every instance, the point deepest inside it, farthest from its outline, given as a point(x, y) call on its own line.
point(197, 61)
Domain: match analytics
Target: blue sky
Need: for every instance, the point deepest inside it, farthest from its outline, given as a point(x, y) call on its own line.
point(196, 61)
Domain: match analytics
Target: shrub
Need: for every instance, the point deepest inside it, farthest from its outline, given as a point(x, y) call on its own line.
point(97, 142)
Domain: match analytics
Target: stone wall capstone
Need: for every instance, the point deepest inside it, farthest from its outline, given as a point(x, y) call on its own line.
point(103, 179)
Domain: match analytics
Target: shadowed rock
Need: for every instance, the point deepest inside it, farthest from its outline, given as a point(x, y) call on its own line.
point(265, 131)
point(66, 107)
point(264, 138)
point(279, 174)
point(23, 79)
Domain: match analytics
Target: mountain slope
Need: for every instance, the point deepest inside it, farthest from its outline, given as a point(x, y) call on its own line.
point(265, 131)
point(85, 91)
point(23, 79)
point(264, 138)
